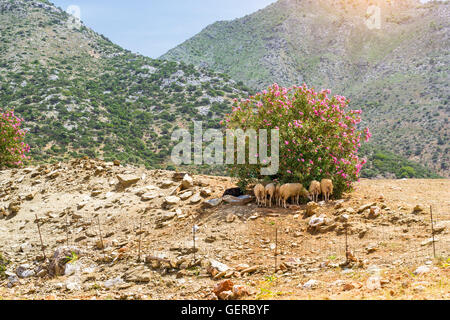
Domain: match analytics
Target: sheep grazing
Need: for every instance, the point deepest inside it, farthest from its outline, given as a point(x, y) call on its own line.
point(260, 194)
point(314, 191)
point(270, 193)
point(326, 185)
point(292, 190)
point(277, 195)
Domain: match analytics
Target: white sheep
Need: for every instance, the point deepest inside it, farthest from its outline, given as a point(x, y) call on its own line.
point(314, 191)
point(260, 194)
point(326, 185)
point(270, 192)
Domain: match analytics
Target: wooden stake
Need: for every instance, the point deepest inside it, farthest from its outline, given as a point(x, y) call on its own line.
point(276, 248)
point(193, 238)
point(140, 237)
point(40, 236)
point(346, 244)
point(100, 234)
point(432, 231)
point(67, 230)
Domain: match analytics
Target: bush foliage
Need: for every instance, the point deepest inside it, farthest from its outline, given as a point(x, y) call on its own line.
point(319, 136)
point(13, 149)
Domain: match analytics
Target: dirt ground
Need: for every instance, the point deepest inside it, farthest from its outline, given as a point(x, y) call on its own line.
point(375, 243)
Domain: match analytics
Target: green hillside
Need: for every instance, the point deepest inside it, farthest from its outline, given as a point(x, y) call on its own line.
point(399, 74)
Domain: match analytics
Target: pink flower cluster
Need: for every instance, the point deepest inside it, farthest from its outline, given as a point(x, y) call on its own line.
point(319, 135)
point(13, 149)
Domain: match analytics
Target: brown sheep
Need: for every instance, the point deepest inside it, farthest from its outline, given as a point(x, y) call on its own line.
point(260, 194)
point(314, 191)
point(326, 185)
point(290, 190)
point(270, 192)
point(277, 195)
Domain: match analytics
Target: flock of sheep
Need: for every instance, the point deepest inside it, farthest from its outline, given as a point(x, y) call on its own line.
point(282, 193)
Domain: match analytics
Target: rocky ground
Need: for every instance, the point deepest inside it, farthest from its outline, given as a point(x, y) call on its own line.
point(114, 232)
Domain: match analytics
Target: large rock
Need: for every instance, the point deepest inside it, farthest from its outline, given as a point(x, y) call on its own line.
point(238, 201)
point(196, 198)
point(171, 200)
point(25, 271)
point(139, 275)
point(127, 180)
point(212, 203)
point(149, 196)
point(186, 195)
point(226, 285)
point(60, 258)
point(365, 207)
point(422, 270)
point(373, 283)
point(311, 209)
point(187, 182)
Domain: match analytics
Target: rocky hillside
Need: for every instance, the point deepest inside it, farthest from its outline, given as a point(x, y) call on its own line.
point(399, 73)
point(117, 232)
point(80, 94)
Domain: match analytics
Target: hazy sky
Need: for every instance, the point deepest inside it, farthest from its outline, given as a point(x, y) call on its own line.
point(152, 27)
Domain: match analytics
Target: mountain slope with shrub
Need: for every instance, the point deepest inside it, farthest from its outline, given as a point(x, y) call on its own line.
point(398, 74)
point(80, 94)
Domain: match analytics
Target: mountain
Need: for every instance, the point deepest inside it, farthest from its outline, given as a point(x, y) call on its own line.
point(398, 74)
point(80, 94)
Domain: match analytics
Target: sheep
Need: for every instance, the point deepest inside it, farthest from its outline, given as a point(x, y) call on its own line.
point(314, 191)
point(302, 192)
point(290, 190)
point(270, 192)
point(260, 194)
point(326, 185)
point(277, 195)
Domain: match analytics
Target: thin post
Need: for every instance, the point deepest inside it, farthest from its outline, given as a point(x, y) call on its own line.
point(346, 243)
point(40, 236)
point(67, 230)
point(432, 231)
point(194, 228)
point(276, 248)
point(100, 234)
point(140, 237)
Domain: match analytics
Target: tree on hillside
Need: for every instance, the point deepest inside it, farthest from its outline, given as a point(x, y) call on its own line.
point(319, 136)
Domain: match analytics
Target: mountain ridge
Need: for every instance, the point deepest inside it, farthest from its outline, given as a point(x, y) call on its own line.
point(398, 74)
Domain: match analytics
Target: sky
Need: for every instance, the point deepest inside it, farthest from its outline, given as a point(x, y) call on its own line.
point(152, 27)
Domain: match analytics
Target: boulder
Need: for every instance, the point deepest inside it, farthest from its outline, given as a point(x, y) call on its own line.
point(187, 182)
point(171, 200)
point(239, 201)
point(212, 203)
point(127, 180)
point(138, 275)
point(60, 258)
point(186, 195)
point(226, 285)
point(422, 270)
point(196, 198)
point(373, 283)
point(311, 208)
